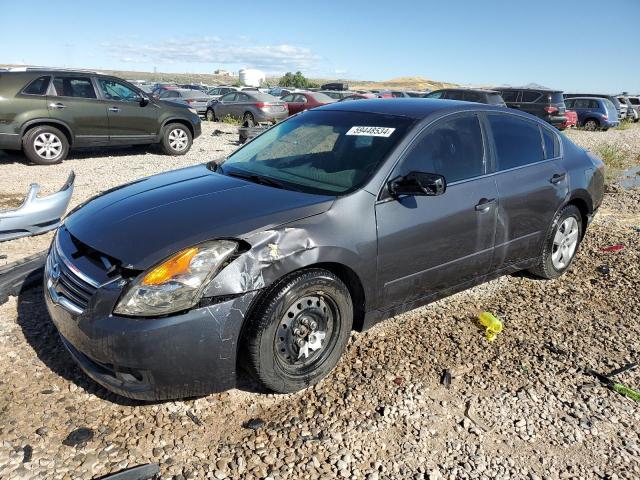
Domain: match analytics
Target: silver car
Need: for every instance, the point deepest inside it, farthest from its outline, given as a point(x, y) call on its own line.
point(251, 107)
point(194, 98)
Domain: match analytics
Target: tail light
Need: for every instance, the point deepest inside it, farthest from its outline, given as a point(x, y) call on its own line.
point(551, 109)
point(606, 117)
point(261, 105)
point(190, 100)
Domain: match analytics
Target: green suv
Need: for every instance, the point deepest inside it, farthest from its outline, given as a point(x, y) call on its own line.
point(47, 112)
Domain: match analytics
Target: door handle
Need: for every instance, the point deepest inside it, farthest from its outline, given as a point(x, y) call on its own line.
point(485, 204)
point(58, 105)
point(114, 109)
point(557, 178)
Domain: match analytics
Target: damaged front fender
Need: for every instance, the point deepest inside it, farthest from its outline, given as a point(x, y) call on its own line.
point(36, 215)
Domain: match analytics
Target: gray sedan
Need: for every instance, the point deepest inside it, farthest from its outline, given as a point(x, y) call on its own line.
point(194, 98)
point(251, 107)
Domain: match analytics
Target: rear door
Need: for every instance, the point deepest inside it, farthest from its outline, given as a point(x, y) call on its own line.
point(429, 243)
point(532, 184)
point(72, 99)
point(131, 120)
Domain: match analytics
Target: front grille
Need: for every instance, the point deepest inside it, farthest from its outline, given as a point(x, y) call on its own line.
point(67, 285)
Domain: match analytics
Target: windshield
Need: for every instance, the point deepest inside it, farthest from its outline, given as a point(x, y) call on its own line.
point(325, 152)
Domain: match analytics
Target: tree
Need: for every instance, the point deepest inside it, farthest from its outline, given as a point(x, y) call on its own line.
point(296, 80)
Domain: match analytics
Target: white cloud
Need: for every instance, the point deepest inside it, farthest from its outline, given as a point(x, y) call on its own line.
point(216, 52)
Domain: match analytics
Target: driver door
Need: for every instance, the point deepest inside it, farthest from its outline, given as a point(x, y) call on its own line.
point(427, 244)
point(129, 121)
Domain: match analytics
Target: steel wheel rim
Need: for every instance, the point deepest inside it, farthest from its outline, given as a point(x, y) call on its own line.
point(305, 334)
point(178, 139)
point(47, 145)
point(565, 242)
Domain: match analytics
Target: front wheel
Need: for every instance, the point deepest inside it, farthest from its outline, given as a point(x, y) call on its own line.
point(561, 243)
point(45, 145)
point(176, 139)
point(298, 331)
point(210, 115)
point(248, 120)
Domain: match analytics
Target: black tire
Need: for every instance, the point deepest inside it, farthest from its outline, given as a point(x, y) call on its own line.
point(268, 346)
point(210, 115)
point(545, 268)
point(176, 139)
point(591, 124)
point(248, 120)
point(36, 141)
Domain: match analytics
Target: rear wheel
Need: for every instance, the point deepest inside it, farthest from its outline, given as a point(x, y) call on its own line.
point(298, 332)
point(176, 139)
point(45, 145)
point(561, 244)
point(248, 120)
point(591, 124)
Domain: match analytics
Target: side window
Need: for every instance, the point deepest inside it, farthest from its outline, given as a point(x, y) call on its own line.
point(568, 103)
point(580, 103)
point(215, 91)
point(119, 92)
point(38, 86)
point(229, 97)
point(517, 141)
point(455, 95)
point(452, 148)
point(243, 97)
point(510, 95)
point(300, 98)
point(473, 97)
point(287, 98)
point(551, 143)
point(435, 94)
point(79, 87)
point(594, 104)
point(530, 97)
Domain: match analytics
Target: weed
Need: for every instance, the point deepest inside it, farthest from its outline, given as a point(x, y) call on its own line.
point(231, 120)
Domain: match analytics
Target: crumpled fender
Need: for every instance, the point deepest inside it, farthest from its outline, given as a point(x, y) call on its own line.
point(36, 215)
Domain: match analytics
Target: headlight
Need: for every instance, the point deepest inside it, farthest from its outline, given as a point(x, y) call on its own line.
point(177, 283)
point(193, 110)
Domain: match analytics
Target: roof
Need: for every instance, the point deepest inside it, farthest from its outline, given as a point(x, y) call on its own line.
point(462, 89)
point(416, 108)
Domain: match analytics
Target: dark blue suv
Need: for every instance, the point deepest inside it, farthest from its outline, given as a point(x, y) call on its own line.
point(594, 113)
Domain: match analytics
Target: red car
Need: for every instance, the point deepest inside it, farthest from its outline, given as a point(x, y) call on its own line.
point(571, 121)
point(300, 101)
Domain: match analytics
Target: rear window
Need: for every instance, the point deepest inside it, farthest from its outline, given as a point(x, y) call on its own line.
point(556, 97)
point(551, 143)
point(38, 87)
point(321, 97)
point(510, 95)
point(517, 141)
point(634, 101)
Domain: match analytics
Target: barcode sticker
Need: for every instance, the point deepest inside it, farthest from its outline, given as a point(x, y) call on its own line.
point(371, 131)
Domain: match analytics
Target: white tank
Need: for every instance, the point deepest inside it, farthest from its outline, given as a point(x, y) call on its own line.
point(251, 77)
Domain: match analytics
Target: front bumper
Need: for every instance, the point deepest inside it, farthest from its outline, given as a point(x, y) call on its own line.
point(197, 127)
point(173, 357)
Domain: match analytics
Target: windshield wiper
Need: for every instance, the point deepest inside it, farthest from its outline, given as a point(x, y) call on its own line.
point(252, 177)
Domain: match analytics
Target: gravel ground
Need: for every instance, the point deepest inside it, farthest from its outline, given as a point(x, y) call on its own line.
point(520, 407)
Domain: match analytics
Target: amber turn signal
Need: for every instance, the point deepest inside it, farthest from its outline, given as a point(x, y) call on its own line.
point(176, 265)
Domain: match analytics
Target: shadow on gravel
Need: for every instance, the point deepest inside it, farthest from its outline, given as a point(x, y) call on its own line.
point(43, 337)
point(14, 156)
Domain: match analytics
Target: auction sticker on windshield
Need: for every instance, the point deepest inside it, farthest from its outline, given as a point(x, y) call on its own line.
point(371, 131)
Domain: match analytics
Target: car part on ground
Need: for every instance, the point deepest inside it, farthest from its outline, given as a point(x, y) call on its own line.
point(47, 112)
point(328, 222)
point(140, 472)
point(246, 133)
point(36, 215)
point(24, 273)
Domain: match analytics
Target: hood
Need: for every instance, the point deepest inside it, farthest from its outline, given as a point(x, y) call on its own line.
point(143, 222)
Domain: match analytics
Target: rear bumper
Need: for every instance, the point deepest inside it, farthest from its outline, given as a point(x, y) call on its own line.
point(156, 359)
point(262, 117)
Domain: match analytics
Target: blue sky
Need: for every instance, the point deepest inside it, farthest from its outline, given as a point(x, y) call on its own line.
point(566, 44)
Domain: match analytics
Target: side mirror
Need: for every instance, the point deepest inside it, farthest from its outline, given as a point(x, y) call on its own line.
point(144, 101)
point(418, 184)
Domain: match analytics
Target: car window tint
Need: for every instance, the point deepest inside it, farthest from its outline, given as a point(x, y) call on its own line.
point(38, 86)
point(79, 87)
point(455, 95)
point(229, 97)
point(510, 95)
point(473, 97)
point(530, 97)
point(453, 148)
point(119, 92)
point(243, 97)
point(551, 143)
point(517, 141)
point(435, 94)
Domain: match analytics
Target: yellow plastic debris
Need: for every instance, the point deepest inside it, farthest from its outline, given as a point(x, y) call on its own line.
point(493, 325)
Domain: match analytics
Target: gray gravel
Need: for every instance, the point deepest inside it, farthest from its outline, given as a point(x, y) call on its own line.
point(520, 407)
